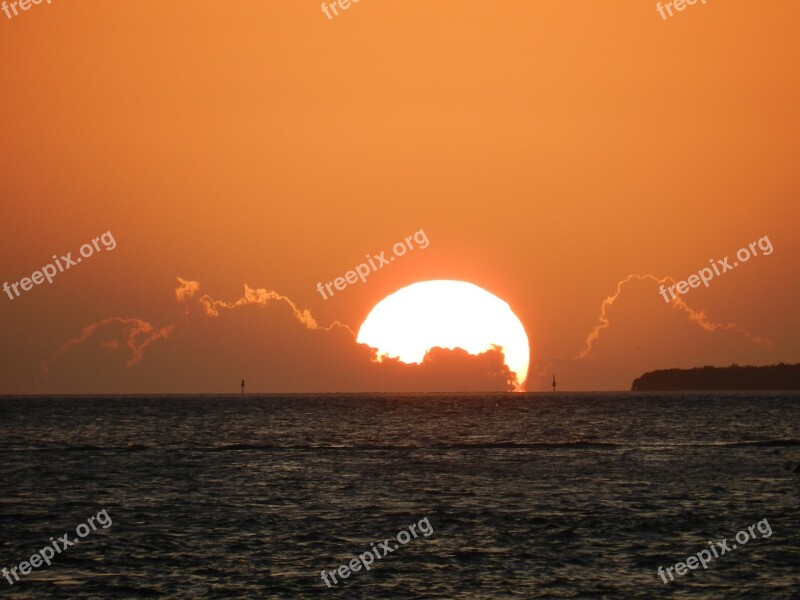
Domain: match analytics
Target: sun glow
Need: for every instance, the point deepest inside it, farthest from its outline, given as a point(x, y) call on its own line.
point(448, 314)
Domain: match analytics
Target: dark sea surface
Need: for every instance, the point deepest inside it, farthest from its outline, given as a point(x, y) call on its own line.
point(528, 496)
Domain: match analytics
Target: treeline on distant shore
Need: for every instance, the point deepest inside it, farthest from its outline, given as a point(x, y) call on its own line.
point(771, 378)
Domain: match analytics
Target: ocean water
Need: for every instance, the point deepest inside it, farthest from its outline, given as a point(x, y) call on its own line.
point(528, 496)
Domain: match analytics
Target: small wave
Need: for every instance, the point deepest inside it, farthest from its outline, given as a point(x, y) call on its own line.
point(575, 444)
point(79, 448)
point(443, 446)
point(765, 443)
point(227, 447)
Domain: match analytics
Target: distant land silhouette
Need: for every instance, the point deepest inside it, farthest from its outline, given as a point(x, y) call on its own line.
point(770, 378)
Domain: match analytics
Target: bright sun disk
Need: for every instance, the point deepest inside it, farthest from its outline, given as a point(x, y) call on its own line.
point(447, 314)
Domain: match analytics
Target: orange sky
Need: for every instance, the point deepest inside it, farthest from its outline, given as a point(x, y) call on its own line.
point(548, 149)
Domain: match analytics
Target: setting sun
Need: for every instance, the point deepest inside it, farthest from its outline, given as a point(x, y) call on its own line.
point(447, 314)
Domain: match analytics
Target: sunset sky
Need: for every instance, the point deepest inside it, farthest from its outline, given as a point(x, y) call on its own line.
point(549, 151)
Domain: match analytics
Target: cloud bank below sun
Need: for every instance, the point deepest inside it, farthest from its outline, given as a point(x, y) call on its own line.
point(262, 337)
point(450, 314)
